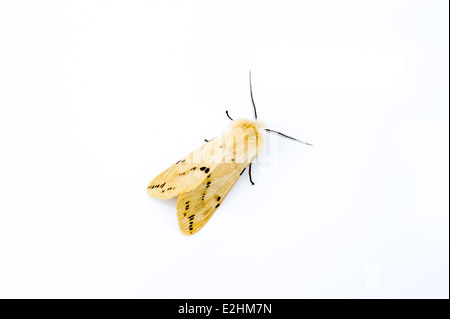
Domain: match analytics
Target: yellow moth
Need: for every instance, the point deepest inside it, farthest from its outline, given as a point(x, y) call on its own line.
point(202, 179)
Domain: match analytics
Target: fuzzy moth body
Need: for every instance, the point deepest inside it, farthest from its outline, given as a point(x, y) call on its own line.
point(202, 179)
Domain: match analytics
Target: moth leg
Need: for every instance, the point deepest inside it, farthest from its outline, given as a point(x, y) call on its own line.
point(250, 173)
point(206, 140)
point(226, 112)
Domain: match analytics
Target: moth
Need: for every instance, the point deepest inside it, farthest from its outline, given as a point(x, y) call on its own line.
point(202, 179)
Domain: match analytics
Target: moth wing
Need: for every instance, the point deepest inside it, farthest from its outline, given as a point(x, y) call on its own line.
point(195, 208)
point(187, 173)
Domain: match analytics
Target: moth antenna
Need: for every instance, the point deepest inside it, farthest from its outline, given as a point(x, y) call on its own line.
point(284, 135)
point(229, 115)
point(251, 94)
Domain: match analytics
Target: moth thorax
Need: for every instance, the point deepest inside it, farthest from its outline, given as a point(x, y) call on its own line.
point(248, 139)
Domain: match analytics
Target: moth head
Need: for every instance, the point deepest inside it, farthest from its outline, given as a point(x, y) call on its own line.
point(248, 126)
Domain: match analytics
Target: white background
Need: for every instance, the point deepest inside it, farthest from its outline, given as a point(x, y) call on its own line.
point(99, 97)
